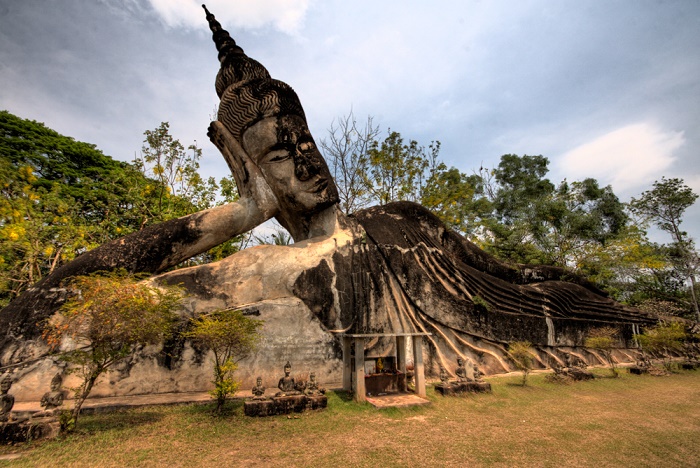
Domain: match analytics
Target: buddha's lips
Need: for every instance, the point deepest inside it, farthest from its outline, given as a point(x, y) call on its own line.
point(319, 186)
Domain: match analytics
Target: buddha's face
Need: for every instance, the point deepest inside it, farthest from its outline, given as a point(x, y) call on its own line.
point(287, 370)
point(292, 165)
point(460, 362)
point(259, 382)
point(5, 386)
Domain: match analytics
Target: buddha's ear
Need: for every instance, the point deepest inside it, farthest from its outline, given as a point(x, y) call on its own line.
point(249, 180)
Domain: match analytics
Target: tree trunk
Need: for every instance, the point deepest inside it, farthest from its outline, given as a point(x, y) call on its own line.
point(695, 299)
point(84, 394)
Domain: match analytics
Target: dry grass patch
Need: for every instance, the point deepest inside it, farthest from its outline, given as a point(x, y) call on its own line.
point(633, 420)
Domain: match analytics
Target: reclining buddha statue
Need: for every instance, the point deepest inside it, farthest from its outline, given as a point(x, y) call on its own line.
point(388, 269)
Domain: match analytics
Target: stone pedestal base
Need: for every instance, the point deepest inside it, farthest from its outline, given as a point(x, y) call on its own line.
point(638, 370)
point(31, 429)
point(579, 374)
point(690, 365)
point(316, 402)
point(456, 388)
point(284, 405)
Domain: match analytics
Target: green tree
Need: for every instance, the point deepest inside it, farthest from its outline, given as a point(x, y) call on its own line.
point(455, 198)
point(395, 169)
point(578, 218)
point(626, 265)
point(603, 340)
point(665, 205)
point(518, 192)
point(231, 336)
point(535, 221)
point(180, 189)
point(174, 182)
point(60, 198)
point(521, 354)
point(107, 319)
point(368, 171)
point(107, 193)
point(663, 340)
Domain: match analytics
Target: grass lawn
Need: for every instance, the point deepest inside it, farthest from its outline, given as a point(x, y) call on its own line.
point(628, 421)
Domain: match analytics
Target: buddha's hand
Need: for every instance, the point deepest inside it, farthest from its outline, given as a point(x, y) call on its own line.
point(250, 181)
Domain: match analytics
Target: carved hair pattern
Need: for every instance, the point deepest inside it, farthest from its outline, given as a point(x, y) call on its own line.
point(248, 94)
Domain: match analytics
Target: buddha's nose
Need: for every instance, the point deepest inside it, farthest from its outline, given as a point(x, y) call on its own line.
point(306, 165)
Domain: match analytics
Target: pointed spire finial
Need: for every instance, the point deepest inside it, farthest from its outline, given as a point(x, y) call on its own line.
point(224, 43)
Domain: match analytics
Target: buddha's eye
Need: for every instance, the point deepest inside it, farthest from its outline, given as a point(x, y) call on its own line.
point(280, 152)
point(278, 156)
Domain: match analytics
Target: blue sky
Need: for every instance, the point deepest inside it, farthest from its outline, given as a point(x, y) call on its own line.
point(604, 89)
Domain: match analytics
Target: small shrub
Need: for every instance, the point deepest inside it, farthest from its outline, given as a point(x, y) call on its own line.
point(603, 340)
point(231, 336)
point(108, 317)
point(521, 355)
point(480, 302)
point(663, 340)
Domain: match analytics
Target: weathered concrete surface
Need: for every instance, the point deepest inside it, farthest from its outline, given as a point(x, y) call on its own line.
point(397, 269)
point(152, 249)
point(290, 331)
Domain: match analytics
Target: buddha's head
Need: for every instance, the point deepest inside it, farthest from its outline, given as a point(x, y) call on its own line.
point(56, 383)
point(267, 119)
point(258, 382)
point(287, 369)
point(5, 384)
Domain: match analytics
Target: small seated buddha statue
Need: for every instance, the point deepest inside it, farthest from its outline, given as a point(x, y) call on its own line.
point(258, 391)
point(312, 388)
point(444, 376)
point(478, 375)
point(53, 398)
point(7, 401)
point(286, 384)
point(461, 371)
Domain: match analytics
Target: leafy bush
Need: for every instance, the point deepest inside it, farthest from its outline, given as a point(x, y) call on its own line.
point(521, 355)
point(108, 317)
point(231, 336)
point(603, 340)
point(480, 302)
point(663, 340)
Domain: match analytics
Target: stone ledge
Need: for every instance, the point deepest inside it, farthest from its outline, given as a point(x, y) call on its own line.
point(284, 405)
point(457, 388)
point(32, 429)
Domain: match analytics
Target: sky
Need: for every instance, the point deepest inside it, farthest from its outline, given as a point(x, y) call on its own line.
point(604, 89)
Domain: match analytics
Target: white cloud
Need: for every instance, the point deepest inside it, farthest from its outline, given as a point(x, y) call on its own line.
point(285, 15)
point(628, 157)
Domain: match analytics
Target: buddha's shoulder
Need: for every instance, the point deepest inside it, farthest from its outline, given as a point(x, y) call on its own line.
point(400, 222)
point(397, 210)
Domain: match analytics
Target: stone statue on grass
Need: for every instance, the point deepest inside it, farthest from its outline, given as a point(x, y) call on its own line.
point(389, 269)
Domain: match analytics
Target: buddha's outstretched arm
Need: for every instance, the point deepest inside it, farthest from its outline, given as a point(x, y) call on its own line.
point(152, 249)
point(158, 247)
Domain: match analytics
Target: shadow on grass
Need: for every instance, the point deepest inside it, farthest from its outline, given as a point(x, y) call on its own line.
point(115, 421)
point(232, 407)
point(343, 395)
